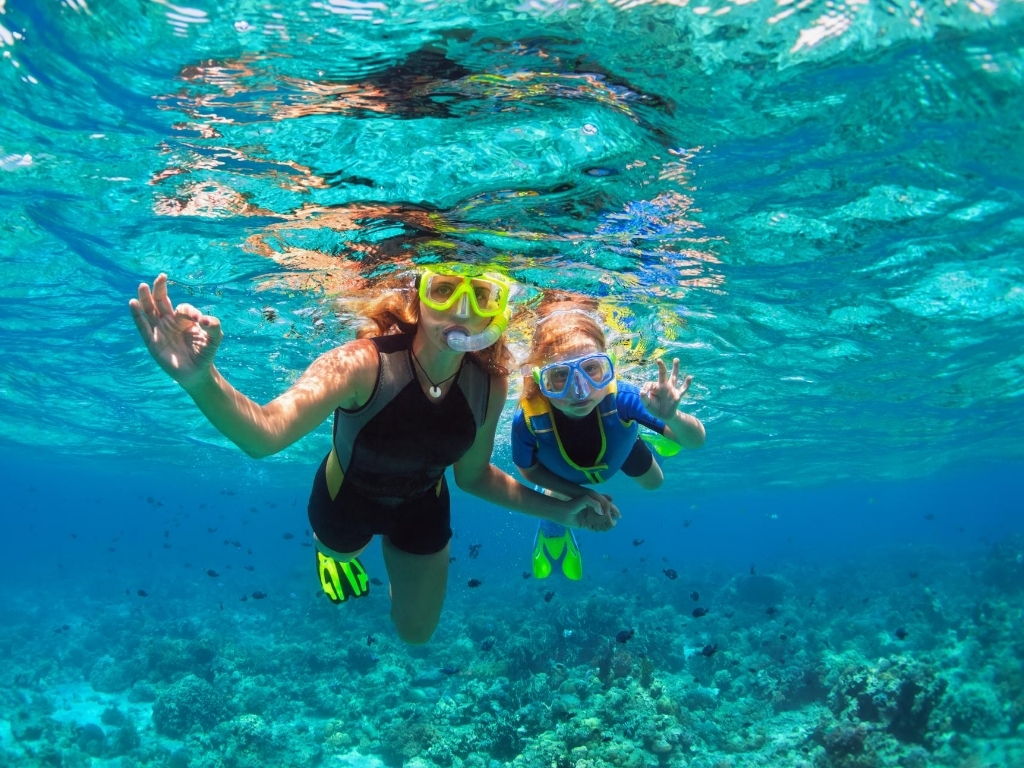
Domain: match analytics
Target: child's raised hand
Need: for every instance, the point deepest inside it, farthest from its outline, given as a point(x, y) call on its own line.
point(662, 398)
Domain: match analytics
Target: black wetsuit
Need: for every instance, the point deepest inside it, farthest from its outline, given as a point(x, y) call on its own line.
point(393, 452)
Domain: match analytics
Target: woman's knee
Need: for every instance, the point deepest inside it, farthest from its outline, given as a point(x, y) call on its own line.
point(414, 632)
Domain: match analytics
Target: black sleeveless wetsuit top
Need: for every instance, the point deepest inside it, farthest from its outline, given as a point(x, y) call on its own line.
point(396, 447)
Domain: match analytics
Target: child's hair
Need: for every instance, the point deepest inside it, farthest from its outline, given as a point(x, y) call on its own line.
point(397, 310)
point(562, 319)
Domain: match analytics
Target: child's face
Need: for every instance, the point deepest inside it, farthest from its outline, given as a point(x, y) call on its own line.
point(573, 408)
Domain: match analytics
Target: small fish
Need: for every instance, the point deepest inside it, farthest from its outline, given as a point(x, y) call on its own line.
point(142, 593)
point(376, 582)
point(901, 633)
point(930, 516)
point(914, 574)
point(449, 669)
point(451, 559)
point(637, 542)
point(474, 551)
point(243, 599)
point(257, 595)
point(526, 575)
point(698, 612)
point(250, 567)
point(783, 638)
point(487, 644)
point(695, 596)
point(74, 535)
point(167, 545)
point(625, 635)
point(370, 640)
point(548, 596)
point(670, 573)
point(212, 573)
point(753, 572)
point(771, 610)
point(287, 536)
point(709, 650)
point(474, 583)
point(686, 523)
point(167, 534)
point(211, 530)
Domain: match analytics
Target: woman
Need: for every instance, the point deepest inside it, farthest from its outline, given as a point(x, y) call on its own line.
point(578, 424)
point(423, 393)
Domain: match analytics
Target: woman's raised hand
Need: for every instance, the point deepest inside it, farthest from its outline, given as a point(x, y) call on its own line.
point(181, 339)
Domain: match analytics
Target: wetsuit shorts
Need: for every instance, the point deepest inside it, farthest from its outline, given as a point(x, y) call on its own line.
point(639, 460)
point(346, 523)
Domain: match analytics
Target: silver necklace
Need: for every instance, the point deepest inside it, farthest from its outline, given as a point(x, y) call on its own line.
point(435, 389)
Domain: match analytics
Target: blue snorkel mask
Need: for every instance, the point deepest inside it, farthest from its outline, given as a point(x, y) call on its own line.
point(575, 379)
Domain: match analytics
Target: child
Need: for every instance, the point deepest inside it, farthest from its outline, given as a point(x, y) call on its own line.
point(577, 424)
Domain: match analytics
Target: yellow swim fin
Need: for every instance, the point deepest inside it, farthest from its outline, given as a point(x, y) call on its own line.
point(341, 581)
point(556, 544)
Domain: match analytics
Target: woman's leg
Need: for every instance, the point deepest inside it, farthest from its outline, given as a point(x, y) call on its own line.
point(418, 584)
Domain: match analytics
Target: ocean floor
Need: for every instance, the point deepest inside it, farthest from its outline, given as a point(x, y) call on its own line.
point(894, 660)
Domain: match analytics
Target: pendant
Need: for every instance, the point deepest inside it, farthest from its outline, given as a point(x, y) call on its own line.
point(435, 391)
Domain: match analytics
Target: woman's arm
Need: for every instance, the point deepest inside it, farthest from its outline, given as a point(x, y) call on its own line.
point(540, 475)
point(341, 377)
point(475, 474)
point(184, 342)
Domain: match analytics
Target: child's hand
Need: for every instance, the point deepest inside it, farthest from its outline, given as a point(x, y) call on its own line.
point(662, 398)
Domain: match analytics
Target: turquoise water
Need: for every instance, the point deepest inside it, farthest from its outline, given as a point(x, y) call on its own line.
point(817, 206)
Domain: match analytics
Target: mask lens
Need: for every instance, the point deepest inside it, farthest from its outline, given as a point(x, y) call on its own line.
point(598, 369)
point(487, 296)
point(555, 379)
point(441, 290)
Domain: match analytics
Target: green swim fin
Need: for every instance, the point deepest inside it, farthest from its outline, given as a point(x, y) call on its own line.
point(556, 544)
point(341, 581)
point(661, 445)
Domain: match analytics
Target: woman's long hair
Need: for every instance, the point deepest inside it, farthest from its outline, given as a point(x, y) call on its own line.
point(397, 310)
point(562, 319)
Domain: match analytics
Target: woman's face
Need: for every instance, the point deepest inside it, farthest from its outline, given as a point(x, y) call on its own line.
point(435, 323)
point(573, 408)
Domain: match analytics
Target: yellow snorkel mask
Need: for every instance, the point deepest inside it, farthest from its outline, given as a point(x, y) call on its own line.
point(465, 287)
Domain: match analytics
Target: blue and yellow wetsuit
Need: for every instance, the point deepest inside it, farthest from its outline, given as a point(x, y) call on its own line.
point(583, 451)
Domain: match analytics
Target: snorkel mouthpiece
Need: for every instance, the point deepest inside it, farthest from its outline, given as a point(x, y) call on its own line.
point(460, 341)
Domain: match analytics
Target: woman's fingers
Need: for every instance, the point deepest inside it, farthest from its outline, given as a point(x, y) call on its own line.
point(141, 321)
point(163, 302)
